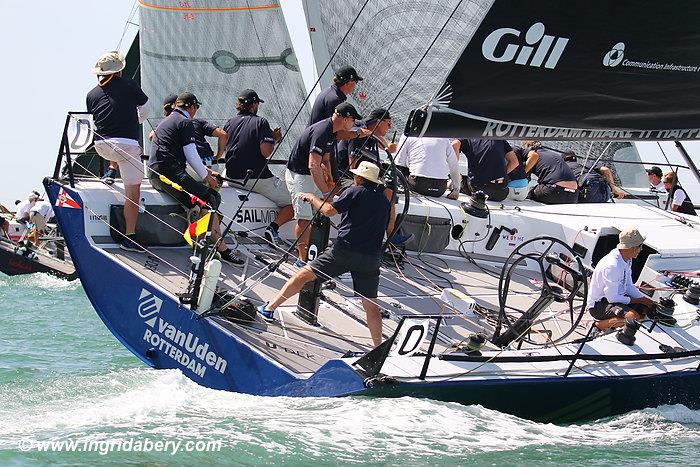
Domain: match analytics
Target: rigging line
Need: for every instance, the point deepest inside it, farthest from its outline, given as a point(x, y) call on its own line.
point(134, 8)
point(267, 66)
point(301, 107)
point(585, 161)
point(596, 161)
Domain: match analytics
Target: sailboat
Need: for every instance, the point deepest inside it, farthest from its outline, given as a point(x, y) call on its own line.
point(486, 307)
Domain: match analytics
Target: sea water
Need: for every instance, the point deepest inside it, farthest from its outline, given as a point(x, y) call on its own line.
point(71, 394)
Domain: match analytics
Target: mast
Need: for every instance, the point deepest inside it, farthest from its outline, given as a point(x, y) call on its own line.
point(688, 160)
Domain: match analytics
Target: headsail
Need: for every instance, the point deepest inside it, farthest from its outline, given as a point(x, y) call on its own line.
point(575, 70)
point(217, 48)
point(386, 43)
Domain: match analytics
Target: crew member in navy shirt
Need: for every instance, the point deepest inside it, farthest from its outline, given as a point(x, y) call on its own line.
point(202, 129)
point(488, 162)
point(556, 183)
point(174, 147)
point(344, 82)
point(364, 214)
point(308, 162)
point(118, 107)
point(251, 142)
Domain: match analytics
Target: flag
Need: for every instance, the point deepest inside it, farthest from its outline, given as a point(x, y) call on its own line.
point(197, 228)
point(64, 200)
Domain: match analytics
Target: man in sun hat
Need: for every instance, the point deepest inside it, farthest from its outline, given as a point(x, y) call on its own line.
point(23, 208)
point(364, 214)
point(612, 295)
point(118, 107)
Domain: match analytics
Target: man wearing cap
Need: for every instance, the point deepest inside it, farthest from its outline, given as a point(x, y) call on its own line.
point(427, 162)
point(309, 159)
point(344, 82)
point(118, 107)
point(174, 148)
point(678, 200)
point(655, 175)
point(556, 183)
point(23, 208)
point(364, 214)
point(251, 142)
point(488, 162)
point(612, 296)
point(352, 152)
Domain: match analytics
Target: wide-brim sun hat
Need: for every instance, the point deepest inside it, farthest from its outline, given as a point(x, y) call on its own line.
point(631, 238)
point(368, 171)
point(109, 63)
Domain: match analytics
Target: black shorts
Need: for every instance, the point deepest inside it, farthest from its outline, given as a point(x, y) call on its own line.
point(434, 187)
point(363, 268)
point(553, 194)
point(603, 310)
point(496, 191)
point(176, 173)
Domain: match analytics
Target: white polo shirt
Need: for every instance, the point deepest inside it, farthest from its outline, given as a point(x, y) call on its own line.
point(612, 279)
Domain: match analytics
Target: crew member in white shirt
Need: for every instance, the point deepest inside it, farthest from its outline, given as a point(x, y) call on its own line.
point(428, 162)
point(39, 215)
point(23, 208)
point(612, 296)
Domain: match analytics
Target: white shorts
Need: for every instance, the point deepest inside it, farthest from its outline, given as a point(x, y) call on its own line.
point(128, 156)
point(298, 184)
point(271, 188)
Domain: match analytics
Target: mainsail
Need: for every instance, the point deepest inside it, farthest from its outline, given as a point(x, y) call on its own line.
point(574, 70)
point(217, 48)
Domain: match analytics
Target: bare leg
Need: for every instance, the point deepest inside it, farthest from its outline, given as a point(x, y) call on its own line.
point(131, 207)
point(285, 215)
point(374, 320)
point(617, 322)
point(216, 232)
point(292, 286)
point(303, 242)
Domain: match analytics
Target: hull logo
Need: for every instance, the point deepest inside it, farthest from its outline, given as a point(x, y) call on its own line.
point(149, 307)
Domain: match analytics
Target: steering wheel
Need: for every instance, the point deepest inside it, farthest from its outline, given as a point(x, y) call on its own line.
point(548, 253)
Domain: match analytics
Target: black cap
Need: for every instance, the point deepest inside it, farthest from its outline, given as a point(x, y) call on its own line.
point(347, 73)
point(248, 96)
point(187, 99)
point(346, 109)
point(655, 171)
point(170, 100)
point(379, 113)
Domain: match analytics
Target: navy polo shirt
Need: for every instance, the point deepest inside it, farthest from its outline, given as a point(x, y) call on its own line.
point(364, 215)
point(318, 138)
point(113, 108)
point(325, 104)
point(551, 168)
point(203, 128)
point(172, 134)
point(246, 131)
point(346, 148)
point(578, 169)
point(486, 159)
point(519, 173)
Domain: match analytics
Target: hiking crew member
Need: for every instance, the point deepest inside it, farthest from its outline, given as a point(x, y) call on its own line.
point(612, 296)
point(427, 162)
point(488, 163)
point(595, 184)
point(250, 143)
point(118, 106)
point(344, 82)
point(352, 152)
point(678, 200)
point(655, 175)
point(174, 147)
point(364, 214)
point(307, 165)
point(556, 183)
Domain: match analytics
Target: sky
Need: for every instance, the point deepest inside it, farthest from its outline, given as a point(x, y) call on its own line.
point(48, 51)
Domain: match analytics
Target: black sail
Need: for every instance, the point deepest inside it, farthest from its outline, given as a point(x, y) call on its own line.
point(574, 70)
